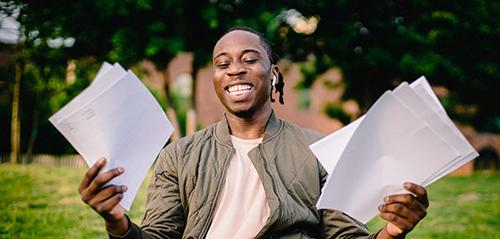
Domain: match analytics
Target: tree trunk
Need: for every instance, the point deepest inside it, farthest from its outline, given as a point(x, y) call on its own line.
point(171, 114)
point(31, 141)
point(190, 121)
point(15, 122)
point(195, 67)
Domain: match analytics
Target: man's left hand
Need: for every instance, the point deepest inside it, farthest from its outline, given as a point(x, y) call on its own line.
point(403, 211)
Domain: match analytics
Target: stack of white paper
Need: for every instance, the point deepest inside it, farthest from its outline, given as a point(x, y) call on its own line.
point(116, 117)
point(406, 136)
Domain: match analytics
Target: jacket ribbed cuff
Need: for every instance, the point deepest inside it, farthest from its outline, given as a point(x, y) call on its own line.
point(133, 231)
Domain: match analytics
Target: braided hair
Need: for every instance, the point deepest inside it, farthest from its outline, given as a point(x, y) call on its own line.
point(273, 58)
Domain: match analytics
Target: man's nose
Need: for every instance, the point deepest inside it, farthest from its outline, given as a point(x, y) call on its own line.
point(236, 69)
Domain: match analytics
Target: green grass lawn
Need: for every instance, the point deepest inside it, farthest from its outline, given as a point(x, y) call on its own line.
point(460, 207)
point(43, 202)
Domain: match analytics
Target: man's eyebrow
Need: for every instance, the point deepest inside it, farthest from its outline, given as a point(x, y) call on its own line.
point(251, 50)
point(243, 52)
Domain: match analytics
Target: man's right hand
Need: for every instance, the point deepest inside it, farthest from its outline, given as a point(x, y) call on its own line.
point(105, 200)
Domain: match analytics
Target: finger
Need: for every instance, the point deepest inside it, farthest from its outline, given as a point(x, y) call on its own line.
point(412, 216)
point(117, 210)
point(91, 173)
point(419, 191)
point(407, 199)
point(103, 178)
point(106, 207)
point(398, 221)
point(396, 208)
point(107, 193)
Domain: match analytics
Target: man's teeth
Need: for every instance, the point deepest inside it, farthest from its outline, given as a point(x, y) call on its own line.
point(239, 89)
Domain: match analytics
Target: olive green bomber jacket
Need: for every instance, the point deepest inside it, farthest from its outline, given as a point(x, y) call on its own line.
point(189, 175)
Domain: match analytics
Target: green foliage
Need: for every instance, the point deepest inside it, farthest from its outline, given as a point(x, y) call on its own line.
point(376, 44)
point(336, 111)
point(309, 72)
point(303, 98)
point(161, 100)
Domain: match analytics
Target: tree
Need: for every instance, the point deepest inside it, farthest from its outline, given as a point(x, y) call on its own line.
point(38, 59)
point(378, 44)
point(9, 12)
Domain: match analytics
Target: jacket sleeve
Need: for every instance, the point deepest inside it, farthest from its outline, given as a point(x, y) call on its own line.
point(164, 215)
point(336, 224)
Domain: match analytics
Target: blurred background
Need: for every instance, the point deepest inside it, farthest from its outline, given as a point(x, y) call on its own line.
point(338, 57)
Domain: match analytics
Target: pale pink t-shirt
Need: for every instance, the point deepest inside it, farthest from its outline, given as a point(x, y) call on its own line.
point(242, 208)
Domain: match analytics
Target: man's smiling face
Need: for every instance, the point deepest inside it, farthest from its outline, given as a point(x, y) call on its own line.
point(242, 74)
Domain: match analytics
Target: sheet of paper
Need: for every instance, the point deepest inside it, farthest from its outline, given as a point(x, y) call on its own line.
point(423, 89)
point(438, 121)
point(108, 76)
point(334, 144)
point(369, 161)
point(450, 167)
point(122, 122)
point(104, 68)
point(390, 146)
point(113, 74)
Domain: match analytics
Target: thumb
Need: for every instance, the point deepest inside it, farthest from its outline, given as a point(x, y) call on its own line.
point(393, 230)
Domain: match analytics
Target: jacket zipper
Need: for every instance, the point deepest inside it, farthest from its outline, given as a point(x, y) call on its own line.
point(219, 186)
point(275, 190)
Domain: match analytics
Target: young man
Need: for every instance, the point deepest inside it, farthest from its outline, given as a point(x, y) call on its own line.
point(250, 175)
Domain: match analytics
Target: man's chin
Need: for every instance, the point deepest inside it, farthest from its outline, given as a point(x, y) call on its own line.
point(247, 111)
point(243, 113)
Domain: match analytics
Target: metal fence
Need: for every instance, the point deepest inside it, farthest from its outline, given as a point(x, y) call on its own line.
point(71, 160)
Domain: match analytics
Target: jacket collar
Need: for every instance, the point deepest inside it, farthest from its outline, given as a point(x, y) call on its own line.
point(273, 127)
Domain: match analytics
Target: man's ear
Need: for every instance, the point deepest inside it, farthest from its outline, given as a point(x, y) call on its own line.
point(275, 71)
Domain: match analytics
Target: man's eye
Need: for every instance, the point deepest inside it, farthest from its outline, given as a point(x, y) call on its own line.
point(250, 61)
point(222, 65)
